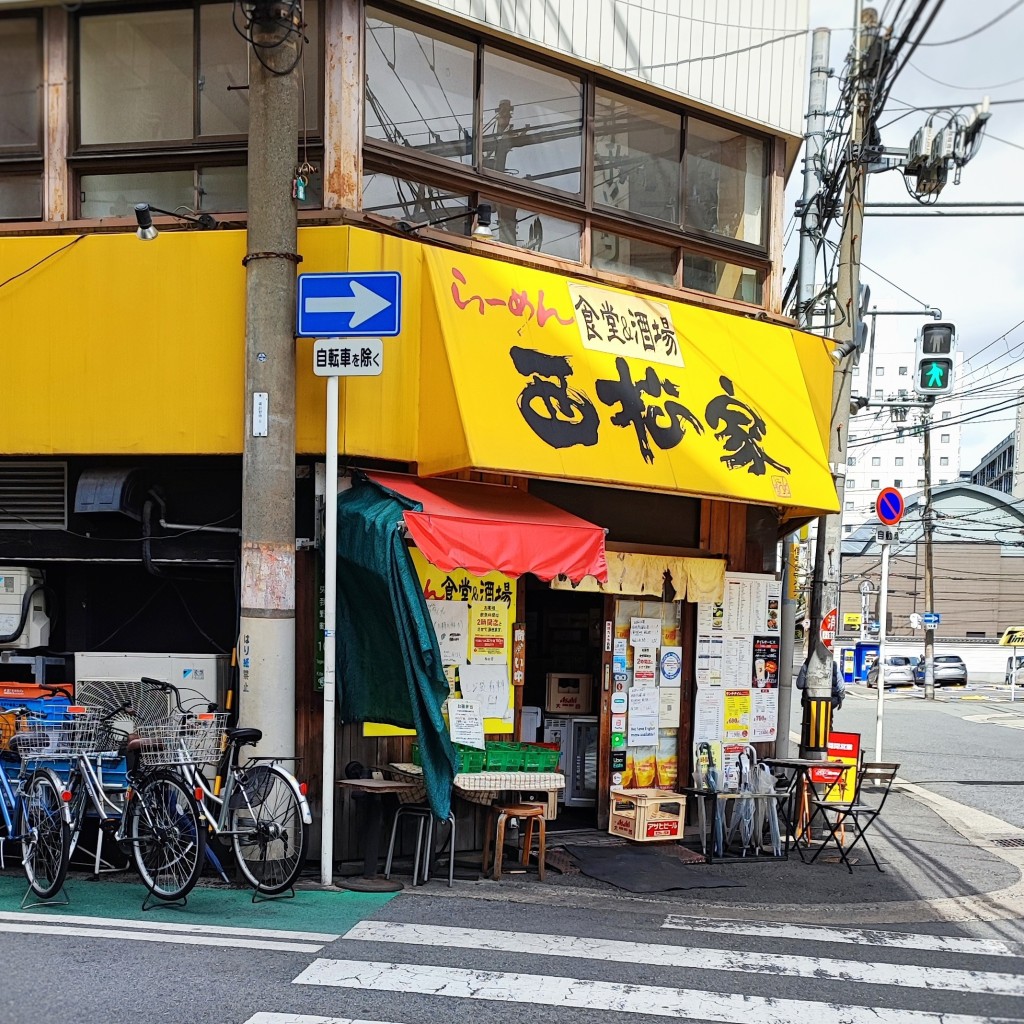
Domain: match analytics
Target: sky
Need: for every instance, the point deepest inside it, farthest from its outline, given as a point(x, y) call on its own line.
point(972, 268)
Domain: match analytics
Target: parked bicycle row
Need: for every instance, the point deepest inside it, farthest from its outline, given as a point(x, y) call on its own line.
point(157, 778)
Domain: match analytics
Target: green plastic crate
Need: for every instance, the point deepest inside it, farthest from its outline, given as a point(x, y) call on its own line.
point(470, 759)
point(537, 758)
point(503, 757)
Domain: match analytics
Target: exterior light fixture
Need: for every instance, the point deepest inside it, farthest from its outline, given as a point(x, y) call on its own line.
point(147, 232)
point(481, 223)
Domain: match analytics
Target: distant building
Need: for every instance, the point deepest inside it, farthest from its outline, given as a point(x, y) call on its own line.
point(997, 467)
point(977, 557)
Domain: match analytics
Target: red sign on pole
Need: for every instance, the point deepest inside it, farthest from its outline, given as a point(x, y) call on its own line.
point(828, 627)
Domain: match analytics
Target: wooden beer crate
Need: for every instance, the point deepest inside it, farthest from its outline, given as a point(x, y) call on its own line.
point(647, 815)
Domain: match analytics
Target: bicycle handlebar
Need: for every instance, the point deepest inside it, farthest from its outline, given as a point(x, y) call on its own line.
point(162, 684)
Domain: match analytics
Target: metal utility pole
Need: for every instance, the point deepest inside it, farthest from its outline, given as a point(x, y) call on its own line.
point(817, 708)
point(814, 141)
point(929, 577)
point(267, 622)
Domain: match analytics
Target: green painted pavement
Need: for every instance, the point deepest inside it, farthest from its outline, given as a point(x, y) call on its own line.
point(215, 905)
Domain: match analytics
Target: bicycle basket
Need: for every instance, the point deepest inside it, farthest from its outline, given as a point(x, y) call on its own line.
point(182, 739)
point(65, 735)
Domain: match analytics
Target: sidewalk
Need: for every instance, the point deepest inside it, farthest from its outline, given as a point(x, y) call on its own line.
point(933, 872)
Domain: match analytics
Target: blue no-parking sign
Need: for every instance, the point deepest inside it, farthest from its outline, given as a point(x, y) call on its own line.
point(889, 506)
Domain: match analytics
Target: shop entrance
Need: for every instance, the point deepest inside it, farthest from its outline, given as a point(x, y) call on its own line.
point(561, 704)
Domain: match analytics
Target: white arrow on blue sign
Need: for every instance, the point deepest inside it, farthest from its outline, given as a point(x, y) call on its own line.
point(349, 305)
point(931, 618)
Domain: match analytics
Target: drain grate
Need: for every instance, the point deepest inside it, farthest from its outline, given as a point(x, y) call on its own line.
point(1008, 842)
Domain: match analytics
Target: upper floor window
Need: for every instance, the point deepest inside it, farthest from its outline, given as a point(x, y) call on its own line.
point(616, 178)
point(879, 371)
point(902, 371)
point(154, 85)
point(21, 121)
point(636, 157)
point(725, 182)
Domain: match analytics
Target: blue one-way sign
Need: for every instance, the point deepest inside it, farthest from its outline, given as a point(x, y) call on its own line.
point(349, 305)
point(931, 619)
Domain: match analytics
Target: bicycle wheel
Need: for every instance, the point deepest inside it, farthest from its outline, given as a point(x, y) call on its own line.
point(167, 834)
point(268, 834)
point(45, 834)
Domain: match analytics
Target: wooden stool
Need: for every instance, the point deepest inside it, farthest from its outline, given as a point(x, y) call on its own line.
point(497, 816)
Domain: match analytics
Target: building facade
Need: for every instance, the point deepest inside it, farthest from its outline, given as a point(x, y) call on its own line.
point(614, 349)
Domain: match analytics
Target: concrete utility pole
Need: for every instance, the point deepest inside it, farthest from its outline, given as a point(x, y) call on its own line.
point(817, 709)
point(267, 627)
point(929, 577)
point(814, 141)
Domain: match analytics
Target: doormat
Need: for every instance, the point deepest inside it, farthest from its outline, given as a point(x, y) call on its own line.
point(642, 870)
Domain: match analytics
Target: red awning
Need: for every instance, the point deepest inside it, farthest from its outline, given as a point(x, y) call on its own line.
point(485, 528)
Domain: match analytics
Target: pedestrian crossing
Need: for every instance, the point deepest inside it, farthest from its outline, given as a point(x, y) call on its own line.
point(177, 933)
point(431, 973)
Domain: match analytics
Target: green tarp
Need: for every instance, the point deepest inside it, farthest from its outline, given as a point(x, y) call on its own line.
point(388, 662)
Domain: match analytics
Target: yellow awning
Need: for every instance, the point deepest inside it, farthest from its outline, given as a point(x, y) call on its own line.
point(536, 374)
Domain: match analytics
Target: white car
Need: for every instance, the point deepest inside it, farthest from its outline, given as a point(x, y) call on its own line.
point(898, 672)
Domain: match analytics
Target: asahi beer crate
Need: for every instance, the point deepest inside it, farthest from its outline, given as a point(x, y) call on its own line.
point(647, 815)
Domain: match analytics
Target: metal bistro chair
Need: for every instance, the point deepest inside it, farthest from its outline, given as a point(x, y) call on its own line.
point(874, 781)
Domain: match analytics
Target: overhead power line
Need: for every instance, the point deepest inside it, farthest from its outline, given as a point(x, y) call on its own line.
point(980, 28)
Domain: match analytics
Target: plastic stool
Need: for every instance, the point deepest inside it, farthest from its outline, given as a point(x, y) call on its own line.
point(424, 856)
point(497, 817)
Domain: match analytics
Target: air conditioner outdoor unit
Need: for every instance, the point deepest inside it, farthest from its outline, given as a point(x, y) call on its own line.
point(15, 584)
point(200, 677)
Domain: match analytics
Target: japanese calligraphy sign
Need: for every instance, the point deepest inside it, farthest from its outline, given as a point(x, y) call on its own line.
point(563, 379)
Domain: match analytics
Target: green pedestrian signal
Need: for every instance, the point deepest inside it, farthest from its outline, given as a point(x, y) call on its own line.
point(934, 375)
point(934, 358)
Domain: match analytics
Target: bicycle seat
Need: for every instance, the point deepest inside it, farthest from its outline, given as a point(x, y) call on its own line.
point(243, 736)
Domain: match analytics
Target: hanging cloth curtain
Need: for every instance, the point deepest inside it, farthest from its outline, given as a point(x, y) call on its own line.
point(388, 662)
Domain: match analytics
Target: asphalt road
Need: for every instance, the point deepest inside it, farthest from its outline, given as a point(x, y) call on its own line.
point(965, 745)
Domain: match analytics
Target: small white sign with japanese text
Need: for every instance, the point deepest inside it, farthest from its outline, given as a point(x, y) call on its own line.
point(348, 357)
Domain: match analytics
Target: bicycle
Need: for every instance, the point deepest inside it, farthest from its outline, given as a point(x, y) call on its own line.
point(32, 809)
point(158, 821)
point(261, 807)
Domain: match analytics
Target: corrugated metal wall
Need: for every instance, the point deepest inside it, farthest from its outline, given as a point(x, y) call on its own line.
point(688, 46)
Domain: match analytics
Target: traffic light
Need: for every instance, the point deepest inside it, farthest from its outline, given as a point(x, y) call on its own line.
point(933, 367)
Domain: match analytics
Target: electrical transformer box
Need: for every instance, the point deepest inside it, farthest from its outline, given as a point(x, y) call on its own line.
point(16, 593)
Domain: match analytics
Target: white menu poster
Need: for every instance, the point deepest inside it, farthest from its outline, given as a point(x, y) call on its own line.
point(726, 631)
point(708, 714)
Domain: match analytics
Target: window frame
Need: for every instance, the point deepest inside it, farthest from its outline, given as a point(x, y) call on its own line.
point(478, 182)
point(29, 161)
point(190, 154)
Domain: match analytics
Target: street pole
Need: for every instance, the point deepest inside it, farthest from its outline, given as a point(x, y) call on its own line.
point(883, 598)
point(330, 619)
point(817, 710)
point(267, 593)
point(929, 577)
point(817, 103)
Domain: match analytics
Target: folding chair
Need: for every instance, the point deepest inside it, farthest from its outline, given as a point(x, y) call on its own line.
point(874, 780)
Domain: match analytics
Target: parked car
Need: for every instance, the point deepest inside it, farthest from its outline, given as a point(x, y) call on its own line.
point(898, 672)
point(1020, 670)
point(950, 670)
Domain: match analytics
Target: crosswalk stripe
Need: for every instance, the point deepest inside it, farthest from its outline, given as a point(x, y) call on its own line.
point(173, 926)
point(856, 936)
point(658, 955)
point(265, 1017)
point(222, 941)
point(655, 1001)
